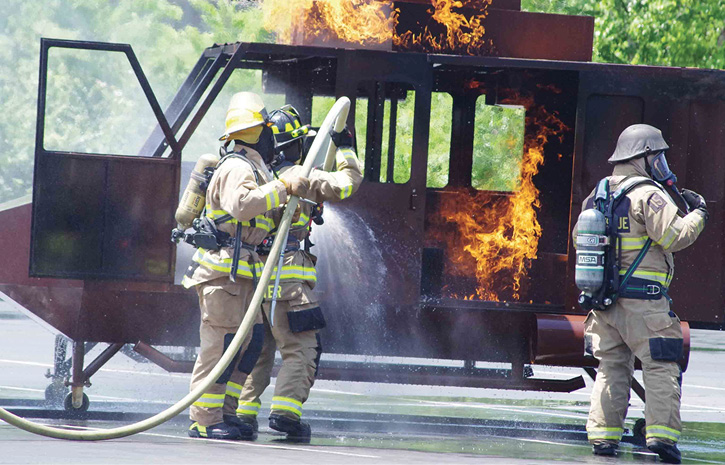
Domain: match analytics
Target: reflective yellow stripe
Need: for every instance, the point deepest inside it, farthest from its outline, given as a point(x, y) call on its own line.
point(248, 408)
point(661, 278)
point(633, 243)
point(346, 192)
point(296, 272)
point(234, 389)
point(288, 404)
point(208, 261)
point(304, 219)
point(210, 401)
point(668, 238)
point(198, 427)
point(605, 433)
point(660, 431)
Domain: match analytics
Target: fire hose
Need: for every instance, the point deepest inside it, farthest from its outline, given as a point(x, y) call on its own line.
point(336, 117)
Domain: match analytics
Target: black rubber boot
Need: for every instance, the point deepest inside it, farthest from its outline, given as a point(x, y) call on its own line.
point(606, 449)
point(669, 453)
point(247, 430)
point(242, 420)
point(295, 429)
point(217, 431)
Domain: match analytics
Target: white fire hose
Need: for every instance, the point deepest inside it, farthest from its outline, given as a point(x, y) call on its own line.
point(337, 116)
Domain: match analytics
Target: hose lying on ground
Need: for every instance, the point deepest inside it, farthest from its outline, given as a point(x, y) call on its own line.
point(317, 156)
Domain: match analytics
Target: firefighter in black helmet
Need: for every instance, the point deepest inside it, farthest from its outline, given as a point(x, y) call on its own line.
point(293, 322)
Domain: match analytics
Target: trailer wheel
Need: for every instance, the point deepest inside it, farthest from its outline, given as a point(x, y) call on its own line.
point(639, 432)
point(68, 403)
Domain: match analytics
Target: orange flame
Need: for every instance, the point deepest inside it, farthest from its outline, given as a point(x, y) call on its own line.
point(371, 22)
point(462, 34)
point(364, 22)
point(499, 233)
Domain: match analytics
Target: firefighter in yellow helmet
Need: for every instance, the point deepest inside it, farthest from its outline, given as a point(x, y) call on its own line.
point(293, 320)
point(240, 198)
point(638, 322)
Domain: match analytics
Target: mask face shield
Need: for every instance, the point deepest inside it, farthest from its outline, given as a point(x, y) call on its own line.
point(661, 171)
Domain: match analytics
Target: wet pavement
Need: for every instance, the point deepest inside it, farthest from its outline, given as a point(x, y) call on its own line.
point(352, 422)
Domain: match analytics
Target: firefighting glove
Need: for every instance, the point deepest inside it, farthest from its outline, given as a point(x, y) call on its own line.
point(342, 139)
point(695, 201)
point(296, 185)
point(296, 215)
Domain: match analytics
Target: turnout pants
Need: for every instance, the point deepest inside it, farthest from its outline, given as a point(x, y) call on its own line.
point(223, 305)
point(648, 330)
point(294, 332)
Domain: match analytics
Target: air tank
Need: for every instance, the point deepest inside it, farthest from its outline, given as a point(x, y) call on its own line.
point(591, 244)
point(194, 197)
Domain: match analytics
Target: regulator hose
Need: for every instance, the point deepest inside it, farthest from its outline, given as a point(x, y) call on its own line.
point(337, 117)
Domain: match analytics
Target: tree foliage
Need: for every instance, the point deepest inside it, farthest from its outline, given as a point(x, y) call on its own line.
point(650, 32)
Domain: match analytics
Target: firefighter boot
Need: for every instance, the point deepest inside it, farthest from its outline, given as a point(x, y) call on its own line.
point(605, 448)
point(248, 420)
point(217, 431)
point(247, 430)
point(295, 429)
point(669, 453)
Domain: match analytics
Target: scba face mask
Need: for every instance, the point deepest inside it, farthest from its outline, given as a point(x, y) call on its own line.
point(661, 171)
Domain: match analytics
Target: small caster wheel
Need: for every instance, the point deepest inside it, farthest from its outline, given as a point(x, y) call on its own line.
point(639, 432)
point(68, 404)
point(55, 394)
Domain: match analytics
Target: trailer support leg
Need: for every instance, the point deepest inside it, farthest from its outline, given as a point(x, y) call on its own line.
point(636, 386)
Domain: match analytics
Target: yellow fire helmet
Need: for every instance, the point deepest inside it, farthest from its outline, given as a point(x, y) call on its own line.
point(245, 117)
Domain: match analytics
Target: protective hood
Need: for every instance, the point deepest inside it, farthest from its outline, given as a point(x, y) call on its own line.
point(638, 140)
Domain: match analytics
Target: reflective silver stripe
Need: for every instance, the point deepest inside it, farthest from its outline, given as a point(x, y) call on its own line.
point(210, 401)
point(605, 433)
point(660, 431)
point(234, 389)
point(248, 408)
point(288, 404)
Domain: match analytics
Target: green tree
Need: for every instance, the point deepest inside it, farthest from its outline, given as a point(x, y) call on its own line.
point(650, 32)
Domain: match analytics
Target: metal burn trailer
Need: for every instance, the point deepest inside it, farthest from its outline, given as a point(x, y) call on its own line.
point(412, 265)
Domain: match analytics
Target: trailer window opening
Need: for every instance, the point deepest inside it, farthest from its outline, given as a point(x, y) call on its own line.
point(439, 139)
point(498, 146)
point(387, 131)
point(94, 104)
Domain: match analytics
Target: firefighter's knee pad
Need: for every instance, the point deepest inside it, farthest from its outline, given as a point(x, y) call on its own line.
point(251, 355)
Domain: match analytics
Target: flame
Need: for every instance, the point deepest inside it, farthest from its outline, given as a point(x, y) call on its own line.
point(369, 22)
point(462, 34)
point(364, 22)
point(495, 236)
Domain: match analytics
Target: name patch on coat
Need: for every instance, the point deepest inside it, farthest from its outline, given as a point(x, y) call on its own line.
point(656, 202)
point(621, 215)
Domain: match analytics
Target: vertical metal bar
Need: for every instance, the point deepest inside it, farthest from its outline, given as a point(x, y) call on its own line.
point(39, 141)
point(79, 352)
point(391, 136)
point(376, 113)
point(461, 161)
point(218, 85)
